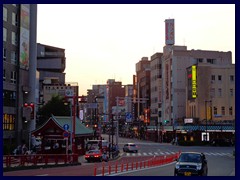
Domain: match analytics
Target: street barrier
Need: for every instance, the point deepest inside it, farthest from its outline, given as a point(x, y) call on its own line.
point(38, 160)
point(154, 161)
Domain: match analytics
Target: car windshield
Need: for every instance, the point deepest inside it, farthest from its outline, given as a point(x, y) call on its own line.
point(93, 151)
point(132, 145)
point(190, 157)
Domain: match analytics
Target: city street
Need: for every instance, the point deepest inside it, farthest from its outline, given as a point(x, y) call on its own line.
point(222, 156)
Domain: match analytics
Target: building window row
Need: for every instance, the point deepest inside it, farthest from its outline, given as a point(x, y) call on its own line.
point(213, 94)
point(9, 98)
point(219, 78)
point(9, 122)
point(223, 111)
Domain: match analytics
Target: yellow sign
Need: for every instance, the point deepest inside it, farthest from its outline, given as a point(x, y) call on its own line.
point(194, 82)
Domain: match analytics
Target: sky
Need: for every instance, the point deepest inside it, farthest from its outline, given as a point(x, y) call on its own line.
point(105, 41)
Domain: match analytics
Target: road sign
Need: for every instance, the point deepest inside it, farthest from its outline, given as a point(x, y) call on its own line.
point(65, 127)
point(65, 134)
point(128, 117)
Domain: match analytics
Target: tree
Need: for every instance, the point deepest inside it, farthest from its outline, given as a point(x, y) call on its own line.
point(56, 106)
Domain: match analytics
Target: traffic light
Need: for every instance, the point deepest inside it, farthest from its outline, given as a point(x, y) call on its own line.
point(30, 106)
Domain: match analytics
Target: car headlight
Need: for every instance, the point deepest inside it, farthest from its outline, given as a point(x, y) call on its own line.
point(199, 166)
point(177, 166)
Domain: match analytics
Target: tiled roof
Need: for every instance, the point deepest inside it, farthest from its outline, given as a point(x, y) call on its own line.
point(80, 128)
point(60, 121)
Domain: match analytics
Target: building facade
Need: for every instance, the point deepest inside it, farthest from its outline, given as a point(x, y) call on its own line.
point(156, 87)
point(142, 85)
point(19, 71)
point(176, 59)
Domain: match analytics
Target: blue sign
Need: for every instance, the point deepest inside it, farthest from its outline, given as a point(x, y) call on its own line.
point(128, 117)
point(65, 127)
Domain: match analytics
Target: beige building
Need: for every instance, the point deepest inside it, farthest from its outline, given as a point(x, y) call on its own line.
point(156, 87)
point(51, 88)
point(176, 59)
point(214, 97)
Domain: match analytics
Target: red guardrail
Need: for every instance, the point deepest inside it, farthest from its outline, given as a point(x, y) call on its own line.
point(154, 161)
point(39, 159)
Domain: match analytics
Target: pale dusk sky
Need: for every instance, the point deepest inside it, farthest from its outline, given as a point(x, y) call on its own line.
point(105, 41)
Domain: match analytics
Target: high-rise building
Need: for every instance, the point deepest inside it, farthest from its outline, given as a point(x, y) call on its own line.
point(142, 94)
point(156, 88)
point(176, 59)
point(19, 72)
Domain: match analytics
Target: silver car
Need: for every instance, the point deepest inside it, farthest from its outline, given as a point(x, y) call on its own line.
point(130, 147)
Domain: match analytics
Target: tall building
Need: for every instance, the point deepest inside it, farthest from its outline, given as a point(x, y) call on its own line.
point(19, 72)
point(51, 63)
point(142, 91)
point(176, 59)
point(114, 89)
point(210, 93)
point(156, 87)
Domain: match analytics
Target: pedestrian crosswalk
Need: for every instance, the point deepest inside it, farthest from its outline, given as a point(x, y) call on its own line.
point(171, 152)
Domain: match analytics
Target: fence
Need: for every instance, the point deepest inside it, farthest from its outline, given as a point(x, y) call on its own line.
point(38, 159)
point(108, 169)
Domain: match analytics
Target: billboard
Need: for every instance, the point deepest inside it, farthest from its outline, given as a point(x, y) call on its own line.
point(24, 36)
point(169, 32)
point(194, 82)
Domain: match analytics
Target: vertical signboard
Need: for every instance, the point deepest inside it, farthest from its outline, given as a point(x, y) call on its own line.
point(194, 82)
point(169, 32)
point(24, 36)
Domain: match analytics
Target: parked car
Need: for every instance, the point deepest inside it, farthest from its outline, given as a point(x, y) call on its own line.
point(94, 155)
point(221, 142)
point(191, 164)
point(130, 147)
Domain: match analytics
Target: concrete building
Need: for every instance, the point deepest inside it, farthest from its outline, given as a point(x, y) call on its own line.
point(142, 91)
point(51, 88)
point(19, 71)
point(176, 59)
point(211, 93)
point(156, 87)
point(51, 63)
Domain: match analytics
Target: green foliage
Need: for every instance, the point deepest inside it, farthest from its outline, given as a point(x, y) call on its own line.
point(55, 106)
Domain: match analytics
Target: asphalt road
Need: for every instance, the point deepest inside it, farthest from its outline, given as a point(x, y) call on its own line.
point(220, 162)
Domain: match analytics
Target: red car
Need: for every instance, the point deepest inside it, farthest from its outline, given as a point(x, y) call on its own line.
point(94, 155)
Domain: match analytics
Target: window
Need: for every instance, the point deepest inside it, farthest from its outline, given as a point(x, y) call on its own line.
point(231, 78)
point(231, 92)
point(4, 75)
point(14, 38)
point(4, 34)
point(5, 14)
point(230, 111)
point(219, 92)
point(213, 78)
point(219, 77)
point(212, 92)
point(13, 57)
point(9, 122)
point(223, 110)
point(13, 77)
point(211, 61)
point(214, 110)
point(14, 19)
point(9, 98)
point(4, 54)
point(200, 60)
